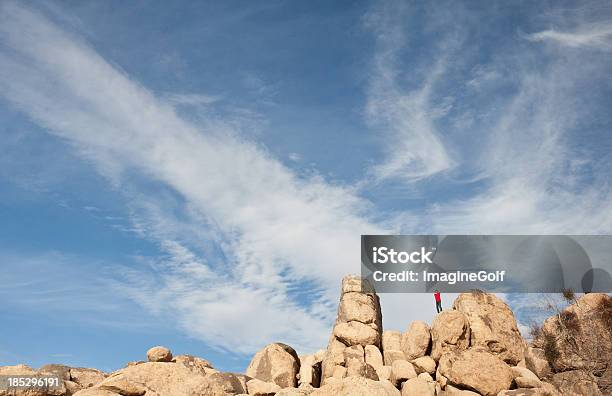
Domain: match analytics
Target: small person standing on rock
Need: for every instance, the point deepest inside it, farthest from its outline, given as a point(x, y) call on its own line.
point(438, 300)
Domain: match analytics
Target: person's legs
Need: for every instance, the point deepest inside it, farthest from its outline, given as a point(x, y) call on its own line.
point(439, 306)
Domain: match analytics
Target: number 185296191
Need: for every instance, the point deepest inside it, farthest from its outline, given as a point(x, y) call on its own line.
point(9, 382)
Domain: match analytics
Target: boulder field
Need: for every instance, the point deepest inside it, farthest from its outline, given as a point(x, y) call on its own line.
point(475, 348)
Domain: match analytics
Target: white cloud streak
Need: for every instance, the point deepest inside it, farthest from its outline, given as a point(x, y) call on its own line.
point(537, 181)
point(593, 36)
point(414, 148)
point(276, 228)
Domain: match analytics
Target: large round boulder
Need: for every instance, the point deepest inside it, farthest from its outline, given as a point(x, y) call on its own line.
point(416, 340)
point(277, 363)
point(492, 325)
point(450, 331)
point(476, 369)
point(357, 333)
point(358, 307)
point(159, 354)
point(373, 356)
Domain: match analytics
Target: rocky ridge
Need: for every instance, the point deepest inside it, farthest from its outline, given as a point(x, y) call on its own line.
point(474, 348)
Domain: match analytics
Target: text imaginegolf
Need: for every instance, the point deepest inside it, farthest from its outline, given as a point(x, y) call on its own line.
point(445, 277)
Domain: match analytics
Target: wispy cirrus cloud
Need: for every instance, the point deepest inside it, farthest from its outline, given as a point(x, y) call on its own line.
point(190, 99)
point(273, 227)
point(592, 35)
point(414, 147)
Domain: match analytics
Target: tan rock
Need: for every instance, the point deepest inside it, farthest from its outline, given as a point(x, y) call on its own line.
point(356, 333)
point(417, 386)
point(391, 340)
point(72, 387)
point(416, 340)
point(86, 377)
point(95, 392)
point(477, 370)
point(442, 380)
point(383, 372)
point(56, 369)
point(277, 363)
point(356, 386)
point(373, 356)
point(452, 391)
point(537, 363)
point(159, 354)
point(353, 283)
point(391, 355)
point(522, 372)
point(168, 379)
point(357, 368)
point(525, 378)
point(450, 331)
point(546, 391)
point(217, 383)
point(339, 372)
point(209, 371)
point(576, 382)
point(295, 392)
point(358, 307)
point(354, 352)
point(424, 364)
point(527, 382)
point(401, 370)
point(123, 387)
point(310, 370)
point(580, 336)
point(389, 388)
point(256, 387)
point(334, 356)
point(492, 325)
point(241, 377)
point(193, 362)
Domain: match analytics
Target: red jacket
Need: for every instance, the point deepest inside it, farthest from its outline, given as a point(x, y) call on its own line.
point(437, 296)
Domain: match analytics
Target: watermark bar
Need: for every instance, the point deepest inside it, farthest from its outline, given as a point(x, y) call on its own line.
point(492, 263)
point(30, 382)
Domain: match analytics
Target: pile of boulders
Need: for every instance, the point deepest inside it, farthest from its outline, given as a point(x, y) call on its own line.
point(474, 348)
point(72, 379)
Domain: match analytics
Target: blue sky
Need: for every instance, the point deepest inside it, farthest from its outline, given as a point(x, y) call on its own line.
point(197, 174)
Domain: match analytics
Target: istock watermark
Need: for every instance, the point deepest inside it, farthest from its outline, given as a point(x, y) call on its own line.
point(496, 263)
point(382, 255)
